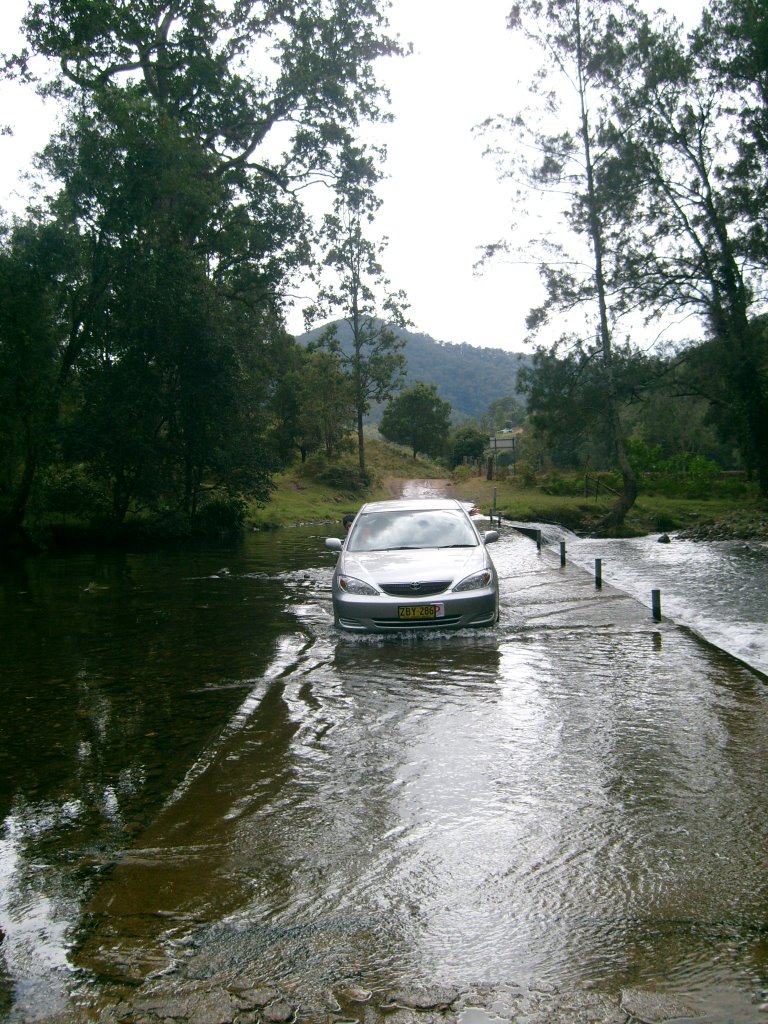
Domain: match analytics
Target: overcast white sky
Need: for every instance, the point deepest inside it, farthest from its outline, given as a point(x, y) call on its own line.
point(441, 199)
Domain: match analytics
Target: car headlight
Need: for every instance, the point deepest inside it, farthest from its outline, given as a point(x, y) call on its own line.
point(350, 585)
point(476, 581)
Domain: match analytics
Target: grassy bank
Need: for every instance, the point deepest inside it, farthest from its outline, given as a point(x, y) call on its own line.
point(706, 517)
point(301, 496)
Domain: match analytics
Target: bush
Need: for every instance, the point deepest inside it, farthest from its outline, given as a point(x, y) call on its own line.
point(166, 524)
point(570, 486)
point(220, 517)
point(731, 487)
point(665, 523)
point(343, 475)
point(684, 476)
point(68, 490)
point(525, 474)
point(462, 473)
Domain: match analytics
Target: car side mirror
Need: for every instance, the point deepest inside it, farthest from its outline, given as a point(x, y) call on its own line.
point(333, 543)
point(490, 536)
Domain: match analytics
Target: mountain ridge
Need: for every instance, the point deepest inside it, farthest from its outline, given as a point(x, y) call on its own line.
point(470, 377)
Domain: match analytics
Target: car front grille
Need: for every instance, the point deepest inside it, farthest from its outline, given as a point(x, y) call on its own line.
point(415, 589)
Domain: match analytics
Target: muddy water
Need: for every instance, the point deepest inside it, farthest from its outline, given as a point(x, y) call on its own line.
point(200, 775)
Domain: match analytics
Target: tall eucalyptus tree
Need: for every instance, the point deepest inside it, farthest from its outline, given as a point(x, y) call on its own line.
point(688, 179)
point(556, 148)
point(370, 309)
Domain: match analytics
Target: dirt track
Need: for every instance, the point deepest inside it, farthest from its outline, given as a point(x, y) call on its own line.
point(400, 488)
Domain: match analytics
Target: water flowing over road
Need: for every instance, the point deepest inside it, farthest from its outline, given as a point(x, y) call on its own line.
point(203, 781)
point(717, 588)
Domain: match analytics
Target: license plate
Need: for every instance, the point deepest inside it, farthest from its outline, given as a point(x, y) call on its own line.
point(421, 611)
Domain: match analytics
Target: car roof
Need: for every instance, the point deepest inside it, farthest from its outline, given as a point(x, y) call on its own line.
point(411, 505)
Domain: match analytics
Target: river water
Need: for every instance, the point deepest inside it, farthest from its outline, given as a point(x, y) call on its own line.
point(718, 588)
point(199, 775)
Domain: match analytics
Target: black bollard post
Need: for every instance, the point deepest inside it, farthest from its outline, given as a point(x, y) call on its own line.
point(562, 553)
point(598, 573)
point(656, 605)
point(538, 540)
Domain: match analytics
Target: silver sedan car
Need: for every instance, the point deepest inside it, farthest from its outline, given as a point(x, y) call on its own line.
point(414, 563)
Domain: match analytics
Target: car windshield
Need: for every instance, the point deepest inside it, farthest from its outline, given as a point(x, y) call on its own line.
point(432, 528)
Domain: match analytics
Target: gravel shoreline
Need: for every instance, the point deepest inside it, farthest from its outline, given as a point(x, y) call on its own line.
point(217, 1001)
point(745, 525)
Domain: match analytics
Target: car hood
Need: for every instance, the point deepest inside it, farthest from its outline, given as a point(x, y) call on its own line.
point(422, 564)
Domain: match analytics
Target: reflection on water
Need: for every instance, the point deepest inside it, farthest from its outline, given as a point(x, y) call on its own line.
point(116, 673)
point(197, 770)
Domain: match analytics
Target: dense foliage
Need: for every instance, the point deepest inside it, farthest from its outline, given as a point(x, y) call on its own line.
point(419, 418)
point(652, 145)
point(467, 443)
point(144, 363)
point(141, 331)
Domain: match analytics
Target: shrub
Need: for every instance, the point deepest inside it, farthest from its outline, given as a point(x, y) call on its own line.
point(342, 474)
point(166, 524)
point(570, 485)
point(68, 490)
point(462, 473)
point(525, 474)
point(345, 477)
point(664, 523)
point(220, 517)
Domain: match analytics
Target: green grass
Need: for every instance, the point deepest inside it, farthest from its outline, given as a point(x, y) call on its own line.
point(650, 514)
point(299, 498)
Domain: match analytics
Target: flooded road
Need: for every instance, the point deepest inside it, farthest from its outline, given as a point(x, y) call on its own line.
point(201, 779)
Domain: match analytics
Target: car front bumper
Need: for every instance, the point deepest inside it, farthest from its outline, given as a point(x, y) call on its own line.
point(380, 614)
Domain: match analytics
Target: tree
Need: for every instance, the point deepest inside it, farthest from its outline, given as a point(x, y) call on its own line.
point(33, 258)
point(584, 42)
point(226, 75)
point(361, 292)
point(504, 413)
point(566, 400)
point(327, 403)
point(419, 418)
point(677, 419)
point(314, 405)
point(185, 226)
point(171, 353)
point(467, 442)
point(687, 179)
point(730, 43)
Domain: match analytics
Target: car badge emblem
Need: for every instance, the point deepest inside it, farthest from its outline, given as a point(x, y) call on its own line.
point(415, 586)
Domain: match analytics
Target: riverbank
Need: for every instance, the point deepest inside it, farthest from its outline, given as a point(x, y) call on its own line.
point(741, 524)
point(316, 492)
point(244, 1002)
point(301, 498)
point(719, 517)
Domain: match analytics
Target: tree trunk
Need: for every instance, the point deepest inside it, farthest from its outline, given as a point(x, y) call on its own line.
point(12, 521)
point(360, 441)
point(615, 517)
point(614, 520)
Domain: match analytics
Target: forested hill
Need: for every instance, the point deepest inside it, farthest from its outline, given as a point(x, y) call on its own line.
point(468, 377)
